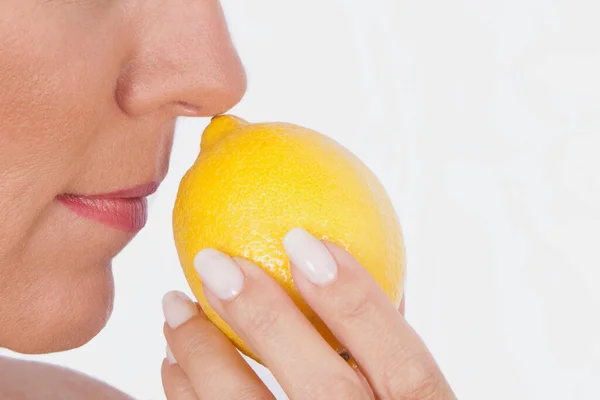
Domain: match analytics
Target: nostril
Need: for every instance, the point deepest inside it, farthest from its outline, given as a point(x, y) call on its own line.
point(189, 108)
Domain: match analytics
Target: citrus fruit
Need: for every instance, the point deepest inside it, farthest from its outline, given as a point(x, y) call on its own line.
point(254, 182)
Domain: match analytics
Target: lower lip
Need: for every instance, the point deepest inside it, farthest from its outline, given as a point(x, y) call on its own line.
point(128, 215)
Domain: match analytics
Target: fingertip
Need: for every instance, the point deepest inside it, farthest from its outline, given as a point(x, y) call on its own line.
point(244, 262)
point(220, 274)
point(310, 256)
point(169, 356)
point(164, 364)
point(176, 383)
point(252, 270)
point(178, 308)
point(342, 256)
point(179, 295)
point(402, 308)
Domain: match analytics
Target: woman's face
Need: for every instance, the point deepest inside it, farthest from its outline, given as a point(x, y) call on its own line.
point(89, 93)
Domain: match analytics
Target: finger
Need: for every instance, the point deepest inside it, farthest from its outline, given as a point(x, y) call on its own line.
point(349, 301)
point(402, 308)
point(212, 364)
point(365, 383)
point(259, 310)
point(176, 384)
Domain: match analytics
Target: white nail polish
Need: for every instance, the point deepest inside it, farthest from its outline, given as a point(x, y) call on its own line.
point(170, 357)
point(310, 257)
point(220, 273)
point(178, 309)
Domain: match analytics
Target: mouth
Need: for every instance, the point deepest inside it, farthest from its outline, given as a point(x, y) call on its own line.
point(125, 210)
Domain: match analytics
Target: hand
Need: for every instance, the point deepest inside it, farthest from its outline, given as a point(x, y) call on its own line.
point(393, 361)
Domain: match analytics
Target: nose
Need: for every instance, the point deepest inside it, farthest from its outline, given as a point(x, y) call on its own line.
point(184, 61)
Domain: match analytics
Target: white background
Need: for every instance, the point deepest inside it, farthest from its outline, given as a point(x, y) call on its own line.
point(482, 119)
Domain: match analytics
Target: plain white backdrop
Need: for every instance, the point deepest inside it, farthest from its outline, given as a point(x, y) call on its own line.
point(482, 119)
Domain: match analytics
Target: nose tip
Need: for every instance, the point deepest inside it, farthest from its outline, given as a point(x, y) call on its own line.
point(186, 65)
point(220, 96)
point(202, 90)
point(210, 101)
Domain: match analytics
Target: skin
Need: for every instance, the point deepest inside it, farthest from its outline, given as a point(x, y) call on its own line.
point(391, 360)
point(89, 94)
point(24, 380)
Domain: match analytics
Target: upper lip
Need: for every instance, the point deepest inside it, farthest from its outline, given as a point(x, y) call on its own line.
point(135, 192)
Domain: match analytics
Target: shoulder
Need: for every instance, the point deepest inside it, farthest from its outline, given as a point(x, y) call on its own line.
point(28, 380)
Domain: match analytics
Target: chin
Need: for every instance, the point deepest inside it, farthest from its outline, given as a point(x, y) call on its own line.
point(65, 316)
point(59, 289)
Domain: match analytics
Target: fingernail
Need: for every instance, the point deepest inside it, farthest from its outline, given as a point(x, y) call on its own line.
point(170, 357)
point(310, 256)
point(178, 308)
point(219, 273)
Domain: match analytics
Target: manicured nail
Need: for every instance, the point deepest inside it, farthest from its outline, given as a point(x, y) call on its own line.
point(219, 273)
point(178, 308)
point(310, 256)
point(170, 357)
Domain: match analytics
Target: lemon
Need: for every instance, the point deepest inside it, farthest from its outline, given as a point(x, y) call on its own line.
point(253, 183)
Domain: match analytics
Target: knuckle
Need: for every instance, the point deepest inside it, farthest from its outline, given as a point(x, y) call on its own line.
point(193, 346)
point(416, 378)
point(355, 306)
point(427, 387)
point(181, 391)
point(259, 321)
point(342, 388)
point(176, 388)
point(251, 393)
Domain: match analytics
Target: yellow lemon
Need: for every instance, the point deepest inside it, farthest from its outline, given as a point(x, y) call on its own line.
point(253, 183)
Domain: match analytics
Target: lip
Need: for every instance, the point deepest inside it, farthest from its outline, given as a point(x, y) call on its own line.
point(132, 193)
point(125, 210)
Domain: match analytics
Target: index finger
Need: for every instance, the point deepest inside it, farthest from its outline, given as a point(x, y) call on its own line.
point(391, 355)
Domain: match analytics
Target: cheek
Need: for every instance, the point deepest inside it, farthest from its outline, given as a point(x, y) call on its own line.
point(56, 90)
point(57, 80)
